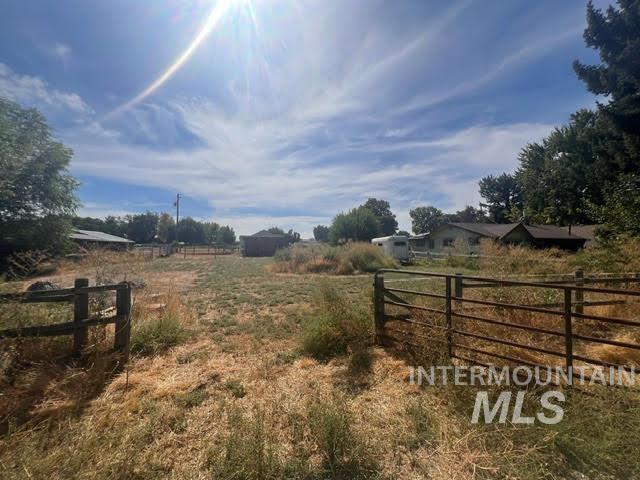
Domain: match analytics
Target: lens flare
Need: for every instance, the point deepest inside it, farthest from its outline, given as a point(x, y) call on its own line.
point(212, 20)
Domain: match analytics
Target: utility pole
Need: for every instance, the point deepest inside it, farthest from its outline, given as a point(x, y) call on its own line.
point(357, 224)
point(177, 205)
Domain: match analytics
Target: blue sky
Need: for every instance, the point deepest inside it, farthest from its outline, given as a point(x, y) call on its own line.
point(291, 111)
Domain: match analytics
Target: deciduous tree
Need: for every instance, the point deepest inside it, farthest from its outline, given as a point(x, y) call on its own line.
point(321, 233)
point(36, 190)
point(387, 223)
point(358, 224)
point(426, 219)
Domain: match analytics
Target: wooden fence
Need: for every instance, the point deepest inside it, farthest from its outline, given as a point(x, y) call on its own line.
point(82, 320)
point(554, 331)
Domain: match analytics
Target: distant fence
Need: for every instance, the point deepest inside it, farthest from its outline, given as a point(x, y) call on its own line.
point(447, 255)
point(78, 327)
point(214, 249)
point(162, 250)
point(154, 250)
point(553, 331)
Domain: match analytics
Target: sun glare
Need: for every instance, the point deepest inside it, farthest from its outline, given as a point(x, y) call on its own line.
point(218, 11)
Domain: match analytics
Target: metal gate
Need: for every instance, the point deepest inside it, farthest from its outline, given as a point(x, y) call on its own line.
point(481, 321)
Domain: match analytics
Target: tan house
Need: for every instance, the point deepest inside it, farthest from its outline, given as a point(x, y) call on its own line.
point(444, 237)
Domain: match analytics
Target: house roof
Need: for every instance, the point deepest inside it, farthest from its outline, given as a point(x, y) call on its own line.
point(93, 236)
point(500, 230)
point(493, 230)
point(551, 232)
point(584, 231)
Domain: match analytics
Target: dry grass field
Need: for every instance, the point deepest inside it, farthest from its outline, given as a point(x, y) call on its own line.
point(238, 372)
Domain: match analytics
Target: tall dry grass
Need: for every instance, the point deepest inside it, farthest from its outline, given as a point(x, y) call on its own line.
point(347, 259)
point(519, 262)
point(38, 377)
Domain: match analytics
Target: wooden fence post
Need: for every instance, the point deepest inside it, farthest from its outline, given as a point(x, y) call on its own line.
point(579, 294)
point(123, 322)
point(568, 333)
point(378, 305)
point(80, 313)
point(448, 315)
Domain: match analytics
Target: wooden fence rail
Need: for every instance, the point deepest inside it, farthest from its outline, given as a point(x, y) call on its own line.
point(81, 322)
point(459, 316)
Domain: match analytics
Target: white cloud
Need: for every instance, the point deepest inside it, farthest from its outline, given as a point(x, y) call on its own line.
point(62, 52)
point(250, 224)
point(101, 210)
point(33, 91)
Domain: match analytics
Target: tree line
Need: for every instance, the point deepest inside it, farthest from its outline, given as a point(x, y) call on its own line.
point(584, 172)
point(152, 227)
point(374, 218)
point(587, 171)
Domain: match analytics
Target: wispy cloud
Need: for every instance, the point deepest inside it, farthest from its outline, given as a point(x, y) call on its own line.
point(241, 166)
point(311, 107)
point(34, 91)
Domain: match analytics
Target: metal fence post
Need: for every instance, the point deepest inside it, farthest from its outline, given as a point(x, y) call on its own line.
point(458, 288)
point(579, 294)
point(568, 334)
point(80, 313)
point(123, 321)
point(449, 316)
point(378, 305)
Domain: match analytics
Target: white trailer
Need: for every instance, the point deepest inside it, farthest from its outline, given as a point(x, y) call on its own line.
point(396, 246)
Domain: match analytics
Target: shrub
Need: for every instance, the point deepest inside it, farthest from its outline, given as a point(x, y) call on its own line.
point(322, 337)
point(422, 428)
point(337, 327)
point(248, 451)
point(617, 255)
point(235, 387)
point(366, 257)
point(193, 398)
point(157, 334)
point(157, 329)
point(344, 260)
point(343, 454)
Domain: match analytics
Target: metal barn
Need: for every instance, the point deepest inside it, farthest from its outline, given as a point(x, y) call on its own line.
point(262, 244)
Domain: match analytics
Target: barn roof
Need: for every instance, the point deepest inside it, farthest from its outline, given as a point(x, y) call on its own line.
point(93, 236)
point(265, 233)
